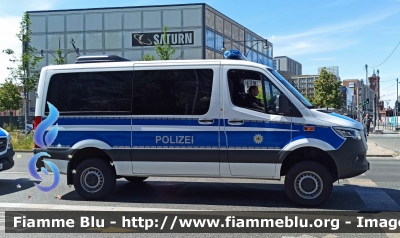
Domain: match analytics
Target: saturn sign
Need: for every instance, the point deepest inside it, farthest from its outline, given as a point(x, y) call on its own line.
point(173, 38)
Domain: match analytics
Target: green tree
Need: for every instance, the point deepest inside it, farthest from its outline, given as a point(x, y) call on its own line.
point(327, 91)
point(10, 98)
point(59, 59)
point(22, 73)
point(165, 51)
point(310, 99)
point(148, 57)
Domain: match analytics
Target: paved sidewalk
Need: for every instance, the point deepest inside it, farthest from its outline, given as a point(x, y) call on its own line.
point(375, 150)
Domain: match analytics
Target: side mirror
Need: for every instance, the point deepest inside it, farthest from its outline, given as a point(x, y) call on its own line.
point(282, 104)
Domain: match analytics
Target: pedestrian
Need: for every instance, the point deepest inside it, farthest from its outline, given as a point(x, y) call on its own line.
point(367, 123)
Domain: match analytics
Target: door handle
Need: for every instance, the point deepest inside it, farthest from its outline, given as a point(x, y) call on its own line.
point(206, 121)
point(236, 122)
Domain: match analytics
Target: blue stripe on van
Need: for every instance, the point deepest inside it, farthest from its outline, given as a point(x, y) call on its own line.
point(128, 121)
point(324, 134)
point(2, 133)
point(258, 139)
point(112, 138)
point(200, 138)
point(92, 121)
point(260, 124)
point(171, 122)
point(171, 138)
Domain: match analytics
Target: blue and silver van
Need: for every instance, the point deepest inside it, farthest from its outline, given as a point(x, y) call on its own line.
point(193, 118)
point(6, 151)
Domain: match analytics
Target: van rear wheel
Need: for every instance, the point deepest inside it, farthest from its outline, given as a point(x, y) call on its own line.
point(134, 179)
point(308, 184)
point(94, 179)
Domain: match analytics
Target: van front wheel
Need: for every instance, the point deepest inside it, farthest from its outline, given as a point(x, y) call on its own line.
point(94, 179)
point(308, 184)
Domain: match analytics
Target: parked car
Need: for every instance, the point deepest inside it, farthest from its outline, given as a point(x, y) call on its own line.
point(6, 151)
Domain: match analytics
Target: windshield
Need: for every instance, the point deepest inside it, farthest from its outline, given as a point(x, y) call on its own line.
point(291, 88)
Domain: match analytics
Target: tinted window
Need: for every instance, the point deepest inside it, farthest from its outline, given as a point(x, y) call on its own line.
point(92, 92)
point(172, 92)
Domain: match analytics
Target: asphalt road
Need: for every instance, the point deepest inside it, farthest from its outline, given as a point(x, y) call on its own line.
point(376, 190)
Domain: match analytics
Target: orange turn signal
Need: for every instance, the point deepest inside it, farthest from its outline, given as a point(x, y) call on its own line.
point(308, 128)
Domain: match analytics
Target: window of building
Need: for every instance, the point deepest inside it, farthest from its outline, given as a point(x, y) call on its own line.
point(310, 80)
point(172, 92)
point(302, 80)
point(249, 38)
point(210, 38)
point(242, 82)
point(99, 93)
point(218, 42)
point(310, 85)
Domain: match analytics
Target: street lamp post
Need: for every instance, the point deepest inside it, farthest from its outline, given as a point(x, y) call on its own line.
point(266, 46)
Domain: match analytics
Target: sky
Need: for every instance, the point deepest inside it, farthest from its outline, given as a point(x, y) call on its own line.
point(316, 33)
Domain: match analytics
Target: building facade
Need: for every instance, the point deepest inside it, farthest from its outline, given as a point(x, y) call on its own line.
point(196, 31)
point(304, 83)
point(284, 63)
point(331, 69)
point(361, 93)
point(348, 101)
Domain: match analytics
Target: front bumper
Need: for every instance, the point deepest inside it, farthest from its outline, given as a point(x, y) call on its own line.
point(7, 159)
point(351, 158)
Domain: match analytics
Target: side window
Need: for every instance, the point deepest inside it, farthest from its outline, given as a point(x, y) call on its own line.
point(172, 92)
point(271, 93)
point(98, 93)
point(252, 90)
point(246, 89)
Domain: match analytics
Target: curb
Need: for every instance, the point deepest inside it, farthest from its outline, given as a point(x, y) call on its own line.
point(23, 151)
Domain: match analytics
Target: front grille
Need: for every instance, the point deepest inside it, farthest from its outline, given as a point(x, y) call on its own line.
point(3, 144)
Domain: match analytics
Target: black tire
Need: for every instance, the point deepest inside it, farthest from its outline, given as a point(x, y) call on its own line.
point(94, 170)
point(309, 173)
point(134, 179)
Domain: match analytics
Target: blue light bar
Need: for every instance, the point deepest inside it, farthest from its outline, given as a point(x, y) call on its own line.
point(235, 55)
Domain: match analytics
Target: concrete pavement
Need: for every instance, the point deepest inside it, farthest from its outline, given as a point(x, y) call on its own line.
point(385, 144)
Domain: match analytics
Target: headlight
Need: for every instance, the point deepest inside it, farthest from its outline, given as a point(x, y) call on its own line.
point(9, 142)
point(348, 133)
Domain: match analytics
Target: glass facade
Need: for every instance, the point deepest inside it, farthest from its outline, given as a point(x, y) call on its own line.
point(220, 28)
point(218, 42)
point(254, 50)
point(210, 42)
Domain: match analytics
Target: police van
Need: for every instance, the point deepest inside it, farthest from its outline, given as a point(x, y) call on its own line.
point(6, 151)
point(193, 118)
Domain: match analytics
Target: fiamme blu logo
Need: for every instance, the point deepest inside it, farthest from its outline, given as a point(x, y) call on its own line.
point(48, 140)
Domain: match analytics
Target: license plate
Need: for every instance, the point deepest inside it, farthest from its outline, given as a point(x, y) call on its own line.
point(1, 166)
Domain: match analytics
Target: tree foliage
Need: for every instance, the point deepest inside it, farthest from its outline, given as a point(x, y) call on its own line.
point(24, 65)
point(148, 57)
point(59, 58)
point(310, 99)
point(327, 91)
point(165, 51)
point(10, 98)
